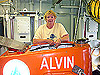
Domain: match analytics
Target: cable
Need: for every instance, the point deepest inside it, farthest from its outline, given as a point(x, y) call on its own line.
point(78, 20)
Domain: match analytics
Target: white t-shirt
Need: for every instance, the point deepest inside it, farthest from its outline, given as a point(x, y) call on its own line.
point(57, 31)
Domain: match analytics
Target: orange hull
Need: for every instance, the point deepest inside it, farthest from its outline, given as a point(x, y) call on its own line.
point(48, 62)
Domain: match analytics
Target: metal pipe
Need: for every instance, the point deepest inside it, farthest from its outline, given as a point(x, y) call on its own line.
point(20, 4)
point(85, 2)
point(77, 20)
point(5, 4)
point(71, 7)
point(16, 5)
point(12, 27)
point(29, 2)
point(65, 6)
point(40, 5)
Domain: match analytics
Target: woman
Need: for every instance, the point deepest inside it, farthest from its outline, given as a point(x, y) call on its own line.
point(51, 32)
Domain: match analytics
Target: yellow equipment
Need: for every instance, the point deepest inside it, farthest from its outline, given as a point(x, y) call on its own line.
point(94, 9)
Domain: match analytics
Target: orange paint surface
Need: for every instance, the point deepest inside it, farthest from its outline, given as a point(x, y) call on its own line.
point(53, 61)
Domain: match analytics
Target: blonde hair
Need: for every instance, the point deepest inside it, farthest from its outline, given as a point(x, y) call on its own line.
point(49, 12)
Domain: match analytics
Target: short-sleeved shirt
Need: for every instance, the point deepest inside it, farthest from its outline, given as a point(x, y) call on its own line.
point(57, 31)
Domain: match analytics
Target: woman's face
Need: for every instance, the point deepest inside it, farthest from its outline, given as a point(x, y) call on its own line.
point(50, 18)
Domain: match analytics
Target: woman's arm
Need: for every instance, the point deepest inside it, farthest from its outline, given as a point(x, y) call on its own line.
point(37, 41)
point(62, 39)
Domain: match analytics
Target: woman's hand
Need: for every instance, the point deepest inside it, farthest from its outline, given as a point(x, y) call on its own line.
point(62, 39)
point(51, 42)
point(58, 42)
